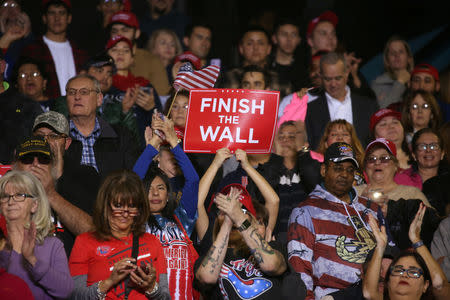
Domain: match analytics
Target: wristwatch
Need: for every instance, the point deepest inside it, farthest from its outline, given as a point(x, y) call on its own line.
point(153, 291)
point(245, 225)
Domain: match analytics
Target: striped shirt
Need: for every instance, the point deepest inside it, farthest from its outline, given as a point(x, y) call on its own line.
point(328, 240)
point(87, 155)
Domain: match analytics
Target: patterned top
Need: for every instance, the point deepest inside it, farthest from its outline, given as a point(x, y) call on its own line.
point(88, 155)
point(328, 240)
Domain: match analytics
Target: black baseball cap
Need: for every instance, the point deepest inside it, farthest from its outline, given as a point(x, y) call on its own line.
point(100, 60)
point(339, 152)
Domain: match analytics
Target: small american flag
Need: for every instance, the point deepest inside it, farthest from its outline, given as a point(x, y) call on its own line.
point(202, 79)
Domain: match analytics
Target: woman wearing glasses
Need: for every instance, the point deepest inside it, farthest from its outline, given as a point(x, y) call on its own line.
point(420, 110)
point(172, 203)
point(430, 169)
point(32, 253)
point(409, 274)
point(380, 165)
point(31, 81)
point(118, 260)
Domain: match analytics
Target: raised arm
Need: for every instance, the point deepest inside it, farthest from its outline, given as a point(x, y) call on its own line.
point(209, 270)
point(270, 196)
point(151, 150)
point(440, 286)
point(269, 260)
point(75, 219)
point(203, 189)
point(371, 278)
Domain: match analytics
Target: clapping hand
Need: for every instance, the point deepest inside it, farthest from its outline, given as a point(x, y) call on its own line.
point(230, 204)
point(145, 100)
point(416, 224)
point(380, 234)
point(28, 243)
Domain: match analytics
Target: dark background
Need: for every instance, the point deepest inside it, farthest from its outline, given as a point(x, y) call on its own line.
point(364, 26)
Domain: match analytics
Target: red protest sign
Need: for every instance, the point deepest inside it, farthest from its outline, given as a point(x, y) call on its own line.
point(236, 119)
point(4, 169)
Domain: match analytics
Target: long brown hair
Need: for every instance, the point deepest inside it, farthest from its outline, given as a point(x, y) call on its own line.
point(435, 118)
point(127, 187)
point(356, 144)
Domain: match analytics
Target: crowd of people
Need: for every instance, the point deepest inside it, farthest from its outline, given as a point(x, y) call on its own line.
point(99, 200)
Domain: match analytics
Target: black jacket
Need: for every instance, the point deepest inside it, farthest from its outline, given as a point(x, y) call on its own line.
point(318, 115)
point(114, 149)
point(17, 114)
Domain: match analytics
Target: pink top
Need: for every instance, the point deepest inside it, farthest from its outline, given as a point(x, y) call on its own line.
point(408, 177)
point(294, 111)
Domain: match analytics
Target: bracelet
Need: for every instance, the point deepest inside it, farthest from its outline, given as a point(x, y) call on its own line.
point(153, 292)
point(100, 294)
point(418, 244)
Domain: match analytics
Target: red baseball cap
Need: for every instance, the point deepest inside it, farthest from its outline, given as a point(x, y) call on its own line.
point(64, 2)
point(380, 114)
point(326, 16)
point(426, 68)
point(244, 198)
point(188, 56)
point(118, 38)
point(385, 143)
point(124, 17)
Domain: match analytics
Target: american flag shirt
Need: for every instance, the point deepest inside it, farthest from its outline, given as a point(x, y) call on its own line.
point(328, 240)
point(87, 155)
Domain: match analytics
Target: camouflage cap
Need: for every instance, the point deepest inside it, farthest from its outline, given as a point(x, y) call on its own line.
point(55, 120)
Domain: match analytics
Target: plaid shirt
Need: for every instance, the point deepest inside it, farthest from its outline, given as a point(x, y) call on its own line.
point(39, 51)
point(87, 155)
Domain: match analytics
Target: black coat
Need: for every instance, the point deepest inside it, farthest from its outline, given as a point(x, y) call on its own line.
point(318, 115)
point(17, 114)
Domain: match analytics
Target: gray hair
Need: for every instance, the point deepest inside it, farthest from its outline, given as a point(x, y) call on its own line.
point(86, 76)
point(332, 58)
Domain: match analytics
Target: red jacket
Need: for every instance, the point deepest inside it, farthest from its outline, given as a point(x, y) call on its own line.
point(38, 50)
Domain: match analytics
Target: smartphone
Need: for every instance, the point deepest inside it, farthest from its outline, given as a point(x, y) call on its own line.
point(144, 267)
point(156, 131)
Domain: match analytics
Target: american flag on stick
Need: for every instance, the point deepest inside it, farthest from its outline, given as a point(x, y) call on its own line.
point(189, 79)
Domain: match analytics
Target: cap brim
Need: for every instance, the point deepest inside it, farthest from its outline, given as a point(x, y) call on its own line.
point(342, 159)
point(34, 151)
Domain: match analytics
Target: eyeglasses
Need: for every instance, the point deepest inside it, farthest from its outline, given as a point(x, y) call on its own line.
point(29, 159)
point(52, 136)
point(411, 272)
point(384, 159)
point(9, 4)
point(417, 106)
point(82, 91)
point(29, 75)
point(118, 209)
point(180, 107)
point(17, 197)
point(431, 147)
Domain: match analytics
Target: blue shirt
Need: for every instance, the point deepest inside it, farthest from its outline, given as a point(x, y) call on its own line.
point(87, 155)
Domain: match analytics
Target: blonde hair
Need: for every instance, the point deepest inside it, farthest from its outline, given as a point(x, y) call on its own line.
point(396, 38)
point(152, 41)
point(26, 182)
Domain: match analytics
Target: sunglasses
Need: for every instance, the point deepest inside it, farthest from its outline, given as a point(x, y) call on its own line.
point(29, 159)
